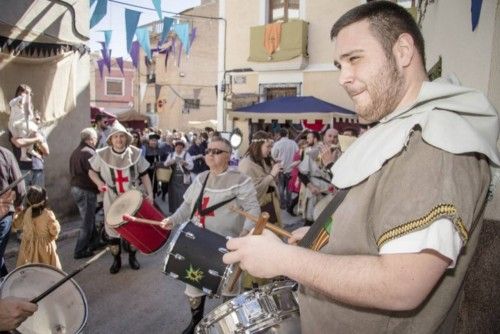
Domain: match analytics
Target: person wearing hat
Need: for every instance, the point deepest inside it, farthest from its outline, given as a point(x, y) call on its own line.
point(181, 163)
point(116, 169)
point(154, 155)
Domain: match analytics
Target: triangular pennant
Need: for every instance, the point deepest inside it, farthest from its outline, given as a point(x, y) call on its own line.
point(196, 93)
point(91, 2)
point(143, 39)
point(167, 25)
point(107, 37)
point(134, 54)
point(192, 36)
point(99, 12)
point(131, 21)
point(182, 31)
point(119, 61)
point(157, 4)
point(475, 9)
point(100, 64)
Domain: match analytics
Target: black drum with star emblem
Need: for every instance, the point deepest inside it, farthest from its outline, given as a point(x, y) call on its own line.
point(194, 256)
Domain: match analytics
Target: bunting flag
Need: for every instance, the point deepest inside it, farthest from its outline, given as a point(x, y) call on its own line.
point(131, 21)
point(119, 61)
point(157, 91)
point(134, 54)
point(167, 25)
point(99, 12)
point(107, 37)
point(91, 2)
point(475, 9)
point(142, 35)
point(192, 36)
point(179, 54)
point(157, 4)
point(196, 93)
point(182, 31)
point(100, 64)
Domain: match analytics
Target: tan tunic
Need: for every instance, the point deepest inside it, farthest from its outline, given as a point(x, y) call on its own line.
point(412, 190)
point(262, 180)
point(38, 244)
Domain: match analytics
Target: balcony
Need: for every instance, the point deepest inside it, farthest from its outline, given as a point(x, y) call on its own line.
point(291, 53)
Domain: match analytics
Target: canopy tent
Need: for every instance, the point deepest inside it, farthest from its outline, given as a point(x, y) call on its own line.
point(296, 109)
point(131, 115)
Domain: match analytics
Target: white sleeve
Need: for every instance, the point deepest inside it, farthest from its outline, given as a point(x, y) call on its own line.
point(440, 236)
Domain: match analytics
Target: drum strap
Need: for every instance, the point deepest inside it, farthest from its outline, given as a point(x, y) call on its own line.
point(200, 197)
point(317, 227)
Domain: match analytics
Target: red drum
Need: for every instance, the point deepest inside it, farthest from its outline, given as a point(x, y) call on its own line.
point(146, 238)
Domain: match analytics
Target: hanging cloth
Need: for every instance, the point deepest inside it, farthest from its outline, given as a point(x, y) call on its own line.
point(272, 37)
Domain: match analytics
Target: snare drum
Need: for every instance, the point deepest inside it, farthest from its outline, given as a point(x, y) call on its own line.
point(272, 308)
point(146, 238)
point(194, 256)
point(65, 310)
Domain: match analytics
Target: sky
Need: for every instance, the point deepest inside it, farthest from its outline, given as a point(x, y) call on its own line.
point(115, 20)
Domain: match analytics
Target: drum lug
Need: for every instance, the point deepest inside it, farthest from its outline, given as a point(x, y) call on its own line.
point(179, 257)
point(190, 235)
point(214, 273)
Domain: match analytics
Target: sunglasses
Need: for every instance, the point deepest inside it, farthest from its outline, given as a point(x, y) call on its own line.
point(215, 151)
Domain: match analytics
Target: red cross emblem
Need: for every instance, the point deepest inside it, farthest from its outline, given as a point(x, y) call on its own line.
point(120, 180)
point(204, 205)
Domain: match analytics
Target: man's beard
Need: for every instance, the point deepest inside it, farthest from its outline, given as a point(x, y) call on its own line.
point(386, 90)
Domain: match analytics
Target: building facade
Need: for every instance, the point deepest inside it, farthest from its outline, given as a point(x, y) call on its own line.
point(178, 89)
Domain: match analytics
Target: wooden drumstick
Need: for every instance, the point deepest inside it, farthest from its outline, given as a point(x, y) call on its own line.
point(259, 227)
point(132, 219)
point(63, 280)
point(269, 226)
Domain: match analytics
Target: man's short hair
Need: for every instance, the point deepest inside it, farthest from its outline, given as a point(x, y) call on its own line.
point(387, 22)
point(99, 118)
point(283, 133)
point(88, 133)
point(223, 140)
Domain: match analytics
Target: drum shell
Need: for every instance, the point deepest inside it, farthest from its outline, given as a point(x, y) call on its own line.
point(272, 308)
point(163, 174)
point(202, 254)
point(146, 238)
point(65, 310)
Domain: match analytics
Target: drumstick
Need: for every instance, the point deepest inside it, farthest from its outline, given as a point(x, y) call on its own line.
point(132, 219)
point(63, 280)
point(269, 226)
point(15, 183)
point(259, 227)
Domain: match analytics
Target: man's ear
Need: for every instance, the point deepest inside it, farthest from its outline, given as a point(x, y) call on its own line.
point(404, 50)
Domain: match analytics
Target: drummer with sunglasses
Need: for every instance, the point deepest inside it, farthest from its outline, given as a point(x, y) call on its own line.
point(218, 188)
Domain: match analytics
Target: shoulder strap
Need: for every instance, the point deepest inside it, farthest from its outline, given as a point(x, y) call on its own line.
point(316, 228)
point(200, 197)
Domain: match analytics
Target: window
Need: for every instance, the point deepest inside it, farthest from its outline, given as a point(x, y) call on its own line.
point(115, 86)
point(283, 10)
point(192, 103)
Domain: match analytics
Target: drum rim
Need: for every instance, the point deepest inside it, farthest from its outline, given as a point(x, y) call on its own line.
point(75, 284)
point(133, 212)
point(210, 318)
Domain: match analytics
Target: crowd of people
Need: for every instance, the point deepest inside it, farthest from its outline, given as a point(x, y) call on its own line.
point(385, 260)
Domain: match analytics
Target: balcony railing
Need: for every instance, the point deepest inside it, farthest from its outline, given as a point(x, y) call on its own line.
point(293, 42)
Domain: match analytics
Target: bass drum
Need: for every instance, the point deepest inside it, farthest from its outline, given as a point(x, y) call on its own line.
point(272, 308)
point(65, 310)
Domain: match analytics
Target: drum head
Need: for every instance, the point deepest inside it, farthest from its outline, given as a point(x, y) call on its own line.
point(64, 310)
point(126, 204)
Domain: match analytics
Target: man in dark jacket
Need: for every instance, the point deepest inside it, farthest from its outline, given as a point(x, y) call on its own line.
point(84, 191)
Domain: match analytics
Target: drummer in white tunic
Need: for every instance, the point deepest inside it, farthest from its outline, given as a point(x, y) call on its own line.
point(115, 169)
point(220, 188)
